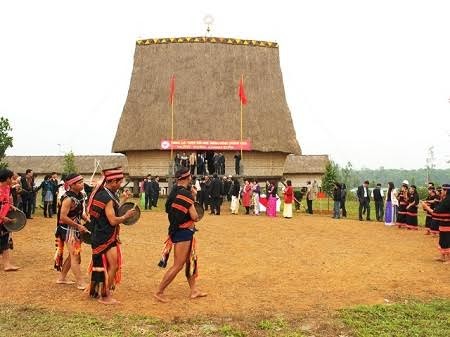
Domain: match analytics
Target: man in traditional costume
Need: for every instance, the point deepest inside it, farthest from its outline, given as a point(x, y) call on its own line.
point(106, 262)
point(182, 217)
point(69, 229)
point(441, 214)
point(6, 202)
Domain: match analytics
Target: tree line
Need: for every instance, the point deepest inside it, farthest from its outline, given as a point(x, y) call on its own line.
point(353, 178)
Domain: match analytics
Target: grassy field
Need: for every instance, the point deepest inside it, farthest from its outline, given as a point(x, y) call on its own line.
point(430, 319)
point(319, 206)
point(353, 209)
point(318, 280)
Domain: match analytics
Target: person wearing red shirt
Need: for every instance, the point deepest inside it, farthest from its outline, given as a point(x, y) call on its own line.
point(288, 198)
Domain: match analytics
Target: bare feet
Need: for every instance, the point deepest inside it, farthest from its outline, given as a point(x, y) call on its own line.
point(64, 281)
point(108, 300)
point(81, 286)
point(440, 259)
point(11, 268)
point(198, 294)
point(160, 297)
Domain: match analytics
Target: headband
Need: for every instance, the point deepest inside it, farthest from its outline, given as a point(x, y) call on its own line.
point(72, 181)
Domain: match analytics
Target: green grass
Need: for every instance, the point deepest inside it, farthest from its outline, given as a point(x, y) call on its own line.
point(416, 319)
point(411, 319)
point(352, 207)
point(31, 321)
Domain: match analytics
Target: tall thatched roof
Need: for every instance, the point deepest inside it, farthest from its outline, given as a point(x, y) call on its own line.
point(207, 73)
point(48, 164)
point(305, 164)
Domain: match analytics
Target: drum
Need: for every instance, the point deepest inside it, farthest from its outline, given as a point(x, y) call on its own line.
point(127, 206)
point(200, 210)
point(18, 220)
point(86, 237)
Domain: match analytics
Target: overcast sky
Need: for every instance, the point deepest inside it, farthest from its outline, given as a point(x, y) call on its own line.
point(366, 81)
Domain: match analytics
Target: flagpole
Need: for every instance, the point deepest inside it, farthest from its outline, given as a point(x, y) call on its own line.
point(242, 79)
point(171, 135)
point(172, 94)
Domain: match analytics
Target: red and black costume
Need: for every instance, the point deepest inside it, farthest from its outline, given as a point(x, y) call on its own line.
point(402, 203)
point(104, 236)
point(441, 214)
point(66, 234)
point(5, 205)
point(411, 211)
point(181, 227)
point(432, 200)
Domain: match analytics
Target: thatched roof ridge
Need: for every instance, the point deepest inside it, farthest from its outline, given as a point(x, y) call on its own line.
point(305, 164)
point(206, 104)
point(207, 39)
point(48, 164)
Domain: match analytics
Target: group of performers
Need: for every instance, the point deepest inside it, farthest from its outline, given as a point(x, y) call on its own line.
point(100, 218)
point(101, 215)
point(436, 205)
point(408, 203)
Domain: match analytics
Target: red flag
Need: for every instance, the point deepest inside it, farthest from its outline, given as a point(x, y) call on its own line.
point(241, 92)
point(172, 89)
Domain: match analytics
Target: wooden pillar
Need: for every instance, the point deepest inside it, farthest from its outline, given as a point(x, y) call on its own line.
point(136, 187)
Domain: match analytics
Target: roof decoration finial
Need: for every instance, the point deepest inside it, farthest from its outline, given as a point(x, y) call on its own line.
point(208, 20)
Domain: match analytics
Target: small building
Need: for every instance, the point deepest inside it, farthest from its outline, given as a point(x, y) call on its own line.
point(86, 165)
point(300, 169)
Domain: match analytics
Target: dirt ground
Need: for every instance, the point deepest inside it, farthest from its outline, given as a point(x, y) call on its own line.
point(248, 265)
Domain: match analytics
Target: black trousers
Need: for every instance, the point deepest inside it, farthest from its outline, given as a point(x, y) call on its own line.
point(48, 209)
point(344, 210)
point(155, 200)
point(148, 201)
point(54, 204)
point(206, 201)
point(27, 204)
point(379, 209)
point(364, 205)
point(309, 203)
point(215, 205)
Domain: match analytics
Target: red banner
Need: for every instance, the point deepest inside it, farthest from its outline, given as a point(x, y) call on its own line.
point(223, 145)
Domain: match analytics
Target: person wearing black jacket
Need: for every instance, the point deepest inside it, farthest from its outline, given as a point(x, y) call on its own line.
point(364, 200)
point(237, 163)
point(148, 190)
point(155, 191)
point(216, 193)
point(343, 199)
point(379, 202)
point(235, 189)
point(27, 192)
point(227, 187)
point(337, 197)
point(54, 182)
point(207, 193)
